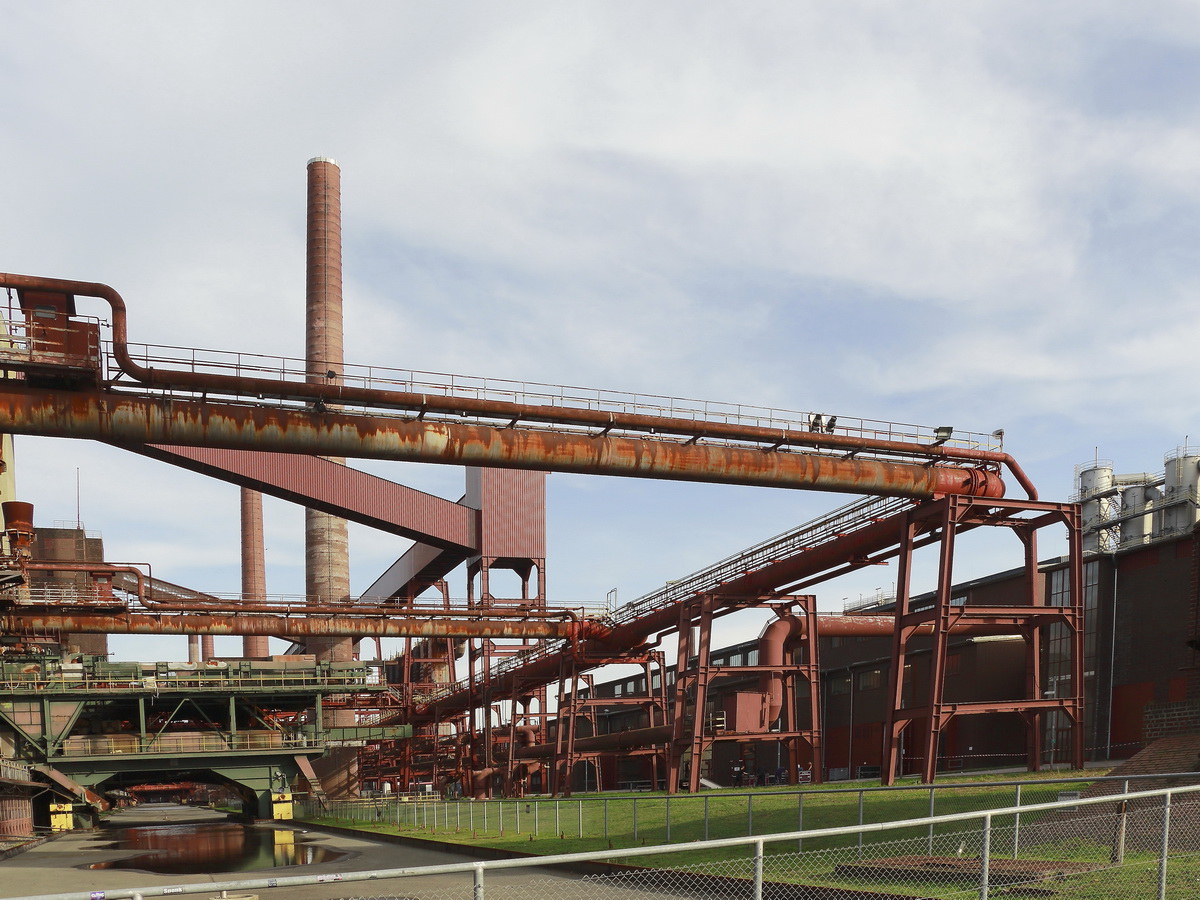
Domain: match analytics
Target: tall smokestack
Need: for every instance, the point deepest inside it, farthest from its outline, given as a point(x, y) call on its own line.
point(254, 567)
point(327, 570)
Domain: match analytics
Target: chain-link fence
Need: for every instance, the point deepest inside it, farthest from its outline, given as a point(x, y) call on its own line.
point(658, 818)
point(1099, 847)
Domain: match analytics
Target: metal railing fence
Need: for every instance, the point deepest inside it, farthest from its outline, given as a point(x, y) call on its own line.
point(1130, 845)
point(660, 818)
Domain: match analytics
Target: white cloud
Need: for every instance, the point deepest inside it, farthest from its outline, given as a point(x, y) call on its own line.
point(930, 213)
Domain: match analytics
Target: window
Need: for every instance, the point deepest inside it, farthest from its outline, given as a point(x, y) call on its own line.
point(840, 685)
point(870, 680)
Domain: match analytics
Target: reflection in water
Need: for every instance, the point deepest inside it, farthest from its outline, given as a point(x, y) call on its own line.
point(203, 849)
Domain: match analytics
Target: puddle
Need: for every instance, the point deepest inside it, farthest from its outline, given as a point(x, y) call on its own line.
point(210, 849)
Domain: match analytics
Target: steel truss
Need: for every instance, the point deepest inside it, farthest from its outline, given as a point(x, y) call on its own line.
point(1029, 618)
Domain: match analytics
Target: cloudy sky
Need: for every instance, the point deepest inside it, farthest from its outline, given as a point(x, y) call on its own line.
point(978, 214)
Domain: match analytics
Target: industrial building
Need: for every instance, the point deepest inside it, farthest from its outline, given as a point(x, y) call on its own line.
point(496, 692)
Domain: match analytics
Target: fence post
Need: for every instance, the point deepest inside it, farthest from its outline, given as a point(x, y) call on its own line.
point(1117, 857)
point(485, 817)
point(635, 828)
point(517, 809)
point(535, 819)
point(581, 818)
point(606, 818)
point(985, 853)
point(929, 840)
point(758, 870)
point(749, 815)
point(1166, 840)
point(1017, 825)
point(706, 817)
point(477, 882)
point(557, 826)
point(668, 818)
point(799, 819)
point(861, 795)
point(471, 816)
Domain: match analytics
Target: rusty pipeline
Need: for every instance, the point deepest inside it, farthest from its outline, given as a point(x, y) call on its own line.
point(93, 568)
point(129, 419)
point(13, 620)
point(331, 393)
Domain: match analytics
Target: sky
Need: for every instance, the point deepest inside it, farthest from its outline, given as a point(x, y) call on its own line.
point(981, 214)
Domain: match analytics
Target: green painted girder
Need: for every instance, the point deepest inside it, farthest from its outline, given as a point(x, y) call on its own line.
point(360, 733)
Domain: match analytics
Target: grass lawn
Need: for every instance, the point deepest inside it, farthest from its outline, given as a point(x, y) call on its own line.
point(615, 821)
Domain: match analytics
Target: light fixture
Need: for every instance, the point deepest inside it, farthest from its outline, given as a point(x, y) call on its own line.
point(942, 433)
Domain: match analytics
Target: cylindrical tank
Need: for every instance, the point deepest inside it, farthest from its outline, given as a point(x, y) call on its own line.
point(1095, 481)
point(1137, 508)
point(1182, 488)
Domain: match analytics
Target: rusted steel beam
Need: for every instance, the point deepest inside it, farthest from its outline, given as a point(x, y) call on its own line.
point(330, 487)
point(333, 393)
point(292, 626)
point(122, 418)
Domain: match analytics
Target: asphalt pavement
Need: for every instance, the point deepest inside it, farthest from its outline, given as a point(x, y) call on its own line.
point(60, 865)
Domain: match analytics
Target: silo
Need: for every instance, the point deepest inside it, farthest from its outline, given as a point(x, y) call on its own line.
point(1182, 474)
point(1095, 486)
point(1138, 502)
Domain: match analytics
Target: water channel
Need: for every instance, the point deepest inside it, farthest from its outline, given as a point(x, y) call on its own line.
point(210, 848)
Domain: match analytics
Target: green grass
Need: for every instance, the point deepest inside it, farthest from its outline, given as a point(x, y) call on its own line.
point(771, 810)
point(778, 810)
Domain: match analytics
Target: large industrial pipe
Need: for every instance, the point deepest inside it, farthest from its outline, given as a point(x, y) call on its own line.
point(140, 420)
point(514, 412)
point(619, 740)
point(293, 626)
point(771, 647)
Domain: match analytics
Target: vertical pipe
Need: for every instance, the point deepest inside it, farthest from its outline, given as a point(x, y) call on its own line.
point(327, 576)
point(208, 648)
point(254, 578)
point(194, 648)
